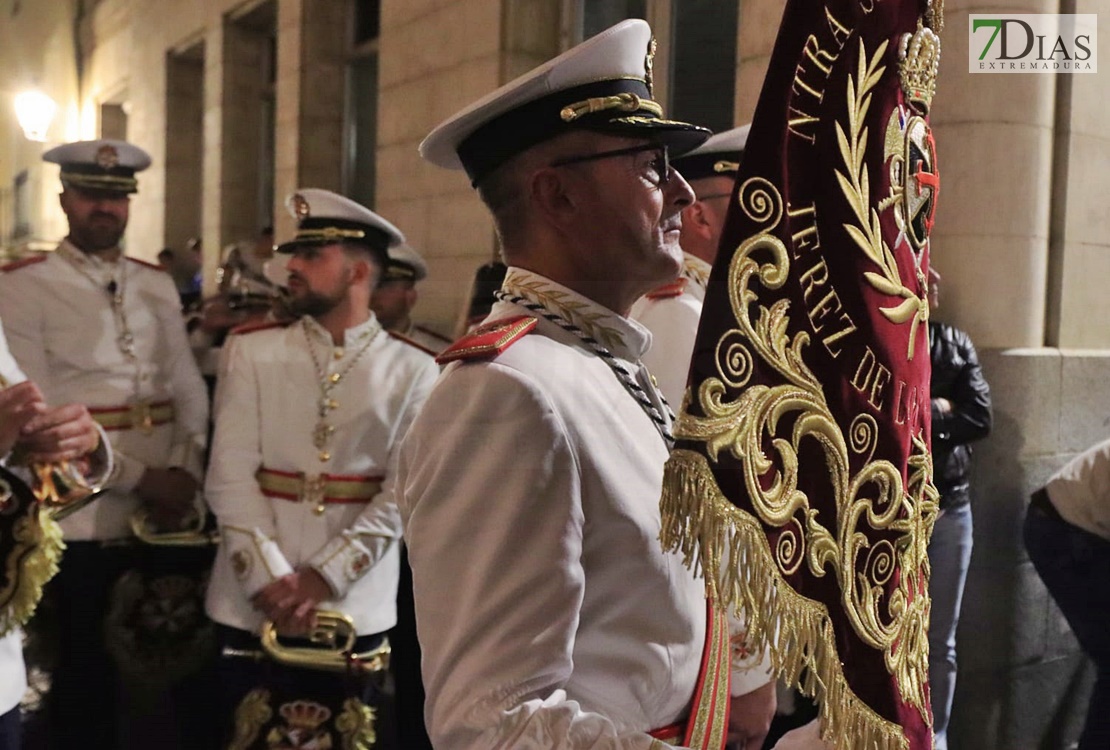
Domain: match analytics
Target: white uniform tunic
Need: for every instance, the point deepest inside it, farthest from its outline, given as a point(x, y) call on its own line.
point(64, 332)
point(673, 322)
point(548, 614)
point(266, 410)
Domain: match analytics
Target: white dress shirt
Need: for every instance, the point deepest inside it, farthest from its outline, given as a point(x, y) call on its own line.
point(266, 410)
point(548, 613)
point(64, 332)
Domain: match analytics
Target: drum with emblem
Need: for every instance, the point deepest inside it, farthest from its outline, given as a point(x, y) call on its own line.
point(30, 548)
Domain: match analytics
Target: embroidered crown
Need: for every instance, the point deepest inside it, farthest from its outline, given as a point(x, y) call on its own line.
point(919, 59)
point(304, 714)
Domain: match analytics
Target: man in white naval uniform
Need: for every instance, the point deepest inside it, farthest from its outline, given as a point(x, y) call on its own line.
point(65, 433)
point(308, 417)
point(671, 312)
point(93, 326)
point(549, 615)
point(396, 296)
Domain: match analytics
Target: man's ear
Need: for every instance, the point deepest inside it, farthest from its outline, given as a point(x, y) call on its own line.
point(552, 194)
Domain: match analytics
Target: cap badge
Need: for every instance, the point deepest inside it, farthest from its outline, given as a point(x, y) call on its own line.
point(649, 61)
point(300, 206)
point(107, 157)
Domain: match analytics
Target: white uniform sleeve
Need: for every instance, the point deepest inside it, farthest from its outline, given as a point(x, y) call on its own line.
point(247, 525)
point(750, 669)
point(190, 396)
point(348, 556)
point(489, 488)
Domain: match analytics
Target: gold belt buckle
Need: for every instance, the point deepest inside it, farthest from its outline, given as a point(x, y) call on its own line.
point(312, 491)
point(141, 417)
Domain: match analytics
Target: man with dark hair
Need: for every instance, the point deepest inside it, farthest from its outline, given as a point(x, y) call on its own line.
point(308, 417)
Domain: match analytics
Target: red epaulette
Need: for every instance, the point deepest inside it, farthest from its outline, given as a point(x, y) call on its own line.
point(674, 289)
point(263, 326)
point(488, 341)
point(411, 342)
point(147, 263)
point(30, 260)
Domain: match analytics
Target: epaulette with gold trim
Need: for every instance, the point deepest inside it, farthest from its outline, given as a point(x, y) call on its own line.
point(30, 260)
point(411, 342)
point(674, 289)
point(146, 263)
point(488, 341)
point(254, 327)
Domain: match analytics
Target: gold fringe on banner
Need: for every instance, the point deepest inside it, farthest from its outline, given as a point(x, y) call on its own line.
point(699, 521)
point(29, 566)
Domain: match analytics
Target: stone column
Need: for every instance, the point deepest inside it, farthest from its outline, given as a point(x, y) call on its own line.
point(312, 43)
point(436, 57)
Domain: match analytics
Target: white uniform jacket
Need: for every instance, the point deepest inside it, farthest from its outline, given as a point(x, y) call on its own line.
point(266, 410)
point(13, 675)
point(548, 613)
point(65, 334)
point(673, 321)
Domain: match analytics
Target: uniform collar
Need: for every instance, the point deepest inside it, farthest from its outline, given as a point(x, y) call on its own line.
point(351, 336)
point(81, 259)
point(625, 338)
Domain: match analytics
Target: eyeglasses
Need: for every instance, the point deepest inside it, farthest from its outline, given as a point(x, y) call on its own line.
point(661, 164)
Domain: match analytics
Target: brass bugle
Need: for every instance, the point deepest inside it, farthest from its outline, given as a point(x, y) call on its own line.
point(195, 536)
point(61, 487)
point(334, 633)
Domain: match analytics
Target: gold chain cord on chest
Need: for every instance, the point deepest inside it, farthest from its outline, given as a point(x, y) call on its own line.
point(125, 340)
point(662, 424)
point(326, 382)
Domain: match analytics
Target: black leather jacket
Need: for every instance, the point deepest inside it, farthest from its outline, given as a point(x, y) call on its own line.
point(958, 378)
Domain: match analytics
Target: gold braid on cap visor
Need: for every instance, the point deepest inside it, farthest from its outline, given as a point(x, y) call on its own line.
point(624, 102)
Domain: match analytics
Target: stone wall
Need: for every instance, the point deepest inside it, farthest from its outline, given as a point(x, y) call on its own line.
point(1023, 682)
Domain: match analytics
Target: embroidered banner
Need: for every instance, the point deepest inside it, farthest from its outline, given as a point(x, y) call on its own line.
point(801, 483)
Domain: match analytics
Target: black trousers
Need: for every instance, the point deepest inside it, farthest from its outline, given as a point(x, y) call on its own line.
point(96, 699)
point(1075, 567)
point(11, 730)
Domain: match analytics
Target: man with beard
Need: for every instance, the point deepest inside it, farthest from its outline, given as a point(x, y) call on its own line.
point(308, 418)
point(92, 326)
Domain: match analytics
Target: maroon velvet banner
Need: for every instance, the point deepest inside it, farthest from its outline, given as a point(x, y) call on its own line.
point(801, 483)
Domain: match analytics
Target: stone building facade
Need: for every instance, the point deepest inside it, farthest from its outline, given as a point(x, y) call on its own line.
point(239, 102)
